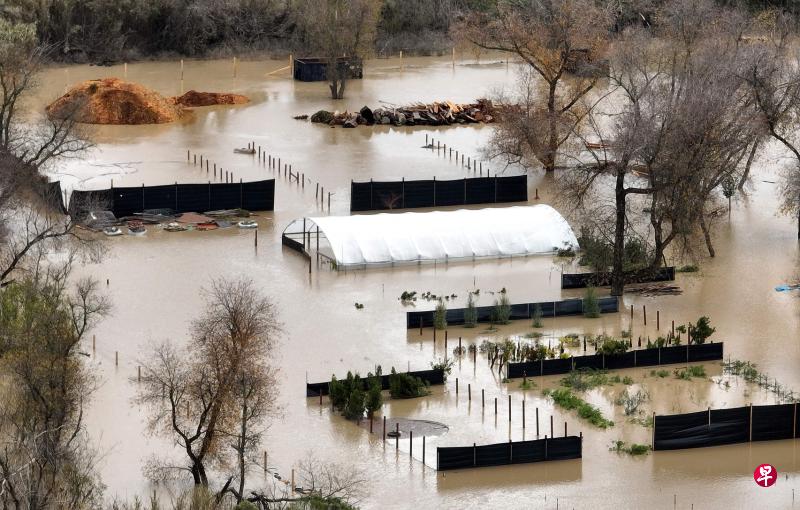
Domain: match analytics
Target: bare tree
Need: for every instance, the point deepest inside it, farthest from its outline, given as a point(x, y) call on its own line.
point(337, 30)
point(45, 458)
point(553, 38)
point(219, 385)
point(774, 79)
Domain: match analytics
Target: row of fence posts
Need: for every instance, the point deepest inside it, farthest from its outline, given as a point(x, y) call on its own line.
point(442, 149)
point(630, 331)
point(265, 160)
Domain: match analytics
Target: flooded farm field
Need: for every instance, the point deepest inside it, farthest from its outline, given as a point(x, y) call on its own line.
point(155, 283)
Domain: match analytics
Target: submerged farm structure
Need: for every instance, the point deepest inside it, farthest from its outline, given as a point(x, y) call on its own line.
point(383, 239)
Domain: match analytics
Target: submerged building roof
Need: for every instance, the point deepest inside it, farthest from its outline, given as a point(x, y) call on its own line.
point(441, 235)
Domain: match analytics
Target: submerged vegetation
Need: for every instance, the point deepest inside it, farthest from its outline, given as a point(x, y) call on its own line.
point(563, 397)
point(634, 449)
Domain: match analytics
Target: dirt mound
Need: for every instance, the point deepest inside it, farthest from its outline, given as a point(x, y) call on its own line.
point(194, 98)
point(113, 101)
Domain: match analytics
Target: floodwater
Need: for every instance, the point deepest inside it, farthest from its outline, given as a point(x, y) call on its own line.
point(155, 284)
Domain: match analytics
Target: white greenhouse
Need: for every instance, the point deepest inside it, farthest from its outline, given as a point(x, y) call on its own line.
point(387, 238)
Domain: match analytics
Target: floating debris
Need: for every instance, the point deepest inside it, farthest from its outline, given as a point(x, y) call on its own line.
point(440, 113)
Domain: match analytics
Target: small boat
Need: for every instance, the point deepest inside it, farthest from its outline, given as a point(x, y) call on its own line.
point(244, 151)
point(174, 227)
point(247, 224)
point(136, 228)
point(112, 231)
point(206, 226)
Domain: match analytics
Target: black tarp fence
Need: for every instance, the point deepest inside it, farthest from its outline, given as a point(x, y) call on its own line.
point(381, 195)
point(455, 316)
point(715, 427)
point(316, 69)
point(503, 454)
point(583, 280)
point(432, 377)
point(126, 201)
point(53, 195)
point(636, 358)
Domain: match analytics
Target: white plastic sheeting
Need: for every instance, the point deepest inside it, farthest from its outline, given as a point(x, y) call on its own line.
point(440, 235)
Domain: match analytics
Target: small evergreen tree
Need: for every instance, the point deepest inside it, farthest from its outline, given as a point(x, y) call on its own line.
point(374, 399)
point(440, 315)
point(537, 316)
point(471, 313)
point(502, 309)
point(591, 307)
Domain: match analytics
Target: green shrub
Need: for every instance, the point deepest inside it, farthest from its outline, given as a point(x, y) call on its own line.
point(563, 397)
point(355, 405)
point(633, 449)
point(702, 331)
point(691, 268)
point(440, 315)
point(501, 313)
point(585, 379)
point(445, 365)
point(537, 316)
point(245, 505)
point(630, 402)
point(471, 313)
point(611, 346)
point(402, 385)
point(591, 307)
point(690, 372)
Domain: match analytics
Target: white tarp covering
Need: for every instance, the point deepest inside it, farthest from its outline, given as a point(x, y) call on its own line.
point(440, 235)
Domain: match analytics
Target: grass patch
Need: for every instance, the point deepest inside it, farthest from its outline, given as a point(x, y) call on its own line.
point(630, 402)
point(647, 421)
point(635, 449)
point(585, 379)
point(690, 372)
point(627, 380)
point(659, 373)
point(527, 384)
point(563, 397)
point(690, 268)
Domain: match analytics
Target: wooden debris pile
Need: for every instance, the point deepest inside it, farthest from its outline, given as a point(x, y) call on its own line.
point(440, 113)
point(654, 289)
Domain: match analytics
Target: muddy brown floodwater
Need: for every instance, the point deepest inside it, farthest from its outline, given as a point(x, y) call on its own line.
point(155, 282)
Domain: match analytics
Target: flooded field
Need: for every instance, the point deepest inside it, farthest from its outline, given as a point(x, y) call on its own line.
point(155, 284)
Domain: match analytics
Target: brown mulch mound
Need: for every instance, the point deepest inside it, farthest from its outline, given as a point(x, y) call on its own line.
point(194, 98)
point(113, 101)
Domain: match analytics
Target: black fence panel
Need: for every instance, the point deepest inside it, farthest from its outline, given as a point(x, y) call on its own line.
point(360, 196)
point(563, 448)
point(729, 426)
point(194, 197)
point(455, 457)
point(725, 426)
point(625, 360)
point(375, 195)
point(522, 311)
point(52, 194)
point(526, 369)
point(256, 196)
point(81, 202)
point(386, 195)
point(556, 366)
point(455, 316)
point(705, 352)
point(592, 361)
point(603, 279)
point(160, 197)
point(569, 307)
point(675, 354)
point(432, 377)
point(419, 194)
point(537, 450)
point(226, 196)
point(648, 357)
point(773, 422)
point(127, 201)
point(681, 431)
point(450, 192)
point(512, 189)
point(480, 191)
point(637, 358)
point(525, 452)
point(492, 455)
